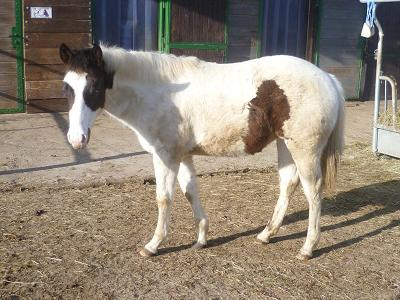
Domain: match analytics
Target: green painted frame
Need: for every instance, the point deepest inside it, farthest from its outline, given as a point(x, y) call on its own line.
point(17, 42)
point(164, 34)
point(318, 32)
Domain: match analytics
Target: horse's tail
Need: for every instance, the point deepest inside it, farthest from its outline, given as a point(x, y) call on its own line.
point(334, 148)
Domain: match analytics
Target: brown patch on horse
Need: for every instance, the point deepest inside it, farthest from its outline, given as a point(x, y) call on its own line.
point(268, 112)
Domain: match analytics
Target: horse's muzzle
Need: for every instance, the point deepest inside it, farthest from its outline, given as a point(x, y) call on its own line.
point(80, 141)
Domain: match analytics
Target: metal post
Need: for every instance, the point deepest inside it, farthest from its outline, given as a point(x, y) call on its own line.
point(393, 87)
point(377, 85)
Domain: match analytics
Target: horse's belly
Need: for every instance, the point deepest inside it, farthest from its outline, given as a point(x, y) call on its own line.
point(224, 142)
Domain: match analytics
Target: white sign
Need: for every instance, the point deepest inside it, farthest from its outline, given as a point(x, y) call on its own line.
point(38, 12)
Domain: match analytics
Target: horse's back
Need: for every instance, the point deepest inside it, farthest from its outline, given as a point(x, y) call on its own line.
point(242, 107)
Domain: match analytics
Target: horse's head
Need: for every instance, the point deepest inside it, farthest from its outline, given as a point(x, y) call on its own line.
point(85, 85)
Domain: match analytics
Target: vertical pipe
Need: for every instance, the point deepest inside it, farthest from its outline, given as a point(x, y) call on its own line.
point(394, 103)
point(167, 36)
point(394, 98)
point(385, 105)
point(161, 12)
point(377, 86)
point(19, 20)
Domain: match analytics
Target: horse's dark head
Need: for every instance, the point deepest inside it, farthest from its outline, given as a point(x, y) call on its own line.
point(85, 85)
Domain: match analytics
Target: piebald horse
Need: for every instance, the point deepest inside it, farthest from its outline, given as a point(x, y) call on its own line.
point(183, 106)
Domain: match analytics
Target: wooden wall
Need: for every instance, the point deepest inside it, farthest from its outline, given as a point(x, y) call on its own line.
point(339, 42)
point(70, 24)
point(243, 24)
point(8, 65)
point(198, 21)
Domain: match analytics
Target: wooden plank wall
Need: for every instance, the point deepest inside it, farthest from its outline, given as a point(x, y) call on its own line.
point(201, 21)
point(243, 24)
point(339, 42)
point(197, 21)
point(8, 65)
point(71, 24)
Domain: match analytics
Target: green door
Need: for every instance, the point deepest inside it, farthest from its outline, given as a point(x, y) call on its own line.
point(194, 28)
point(11, 57)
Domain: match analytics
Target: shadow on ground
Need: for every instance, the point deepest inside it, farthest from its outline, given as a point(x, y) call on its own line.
point(70, 164)
point(384, 196)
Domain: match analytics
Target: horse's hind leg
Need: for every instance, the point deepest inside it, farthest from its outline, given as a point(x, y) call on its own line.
point(288, 181)
point(188, 183)
point(309, 168)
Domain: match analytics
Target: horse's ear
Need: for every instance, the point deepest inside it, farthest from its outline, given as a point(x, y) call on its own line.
point(65, 53)
point(98, 54)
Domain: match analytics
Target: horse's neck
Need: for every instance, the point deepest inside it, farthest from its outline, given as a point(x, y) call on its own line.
point(135, 66)
point(124, 103)
point(140, 84)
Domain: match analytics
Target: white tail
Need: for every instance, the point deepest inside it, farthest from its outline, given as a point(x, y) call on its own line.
point(334, 148)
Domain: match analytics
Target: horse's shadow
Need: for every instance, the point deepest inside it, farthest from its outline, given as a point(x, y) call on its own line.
point(385, 196)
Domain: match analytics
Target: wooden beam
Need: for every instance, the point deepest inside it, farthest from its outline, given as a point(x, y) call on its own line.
point(47, 105)
point(44, 72)
point(57, 2)
point(42, 56)
point(44, 89)
point(52, 40)
point(57, 26)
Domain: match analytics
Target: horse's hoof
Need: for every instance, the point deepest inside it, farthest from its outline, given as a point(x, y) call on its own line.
point(303, 256)
point(146, 253)
point(199, 246)
point(262, 240)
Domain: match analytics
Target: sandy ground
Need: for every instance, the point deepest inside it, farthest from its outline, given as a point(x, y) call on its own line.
point(82, 243)
point(34, 151)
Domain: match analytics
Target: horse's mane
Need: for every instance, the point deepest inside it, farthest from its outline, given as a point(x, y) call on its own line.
point(147, 66)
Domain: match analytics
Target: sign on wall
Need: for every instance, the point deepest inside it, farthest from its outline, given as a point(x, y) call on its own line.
point(39, 12)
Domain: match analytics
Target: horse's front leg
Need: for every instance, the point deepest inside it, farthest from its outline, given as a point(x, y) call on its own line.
point(166, 170)
point(188, 183)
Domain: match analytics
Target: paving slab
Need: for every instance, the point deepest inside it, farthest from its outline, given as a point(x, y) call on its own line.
point(34, 151)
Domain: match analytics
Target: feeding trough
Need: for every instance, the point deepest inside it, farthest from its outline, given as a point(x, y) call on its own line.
point(386, 133)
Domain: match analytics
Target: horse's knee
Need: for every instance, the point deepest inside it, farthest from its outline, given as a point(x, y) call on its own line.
point(163, 202)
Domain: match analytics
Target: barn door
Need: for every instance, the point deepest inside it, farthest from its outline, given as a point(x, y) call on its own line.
point(194, 27)
point(11, 57)
point(47, 24)
point(339, 44)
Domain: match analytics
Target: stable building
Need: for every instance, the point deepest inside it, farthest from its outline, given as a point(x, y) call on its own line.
point(326, 32)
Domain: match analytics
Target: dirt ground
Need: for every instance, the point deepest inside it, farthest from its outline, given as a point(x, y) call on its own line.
point(82, 243)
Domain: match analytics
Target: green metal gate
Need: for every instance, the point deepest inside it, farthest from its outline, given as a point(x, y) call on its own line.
point(16, 55)
point(205, 43)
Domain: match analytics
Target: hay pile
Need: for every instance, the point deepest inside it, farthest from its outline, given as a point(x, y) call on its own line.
point(386, 119)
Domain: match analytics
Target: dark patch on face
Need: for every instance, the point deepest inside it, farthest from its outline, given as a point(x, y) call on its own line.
point(68, 92)
point(89, 61)
point(268, 111)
